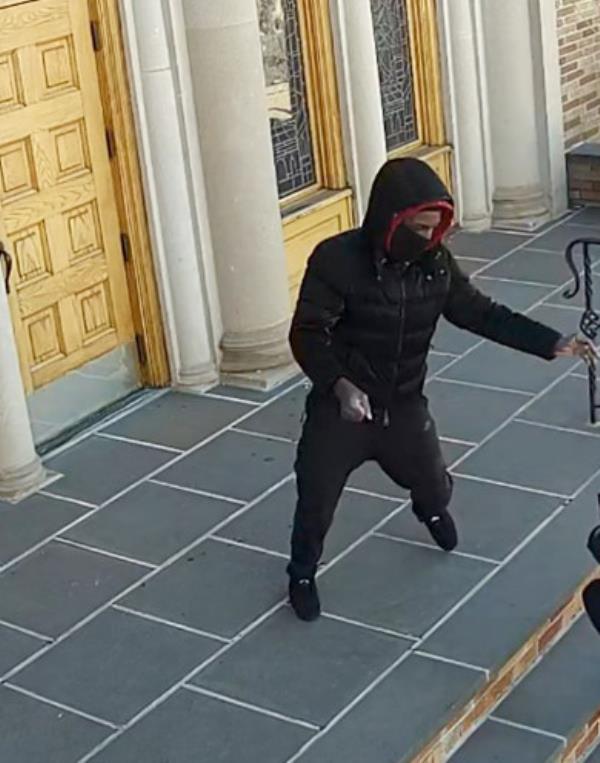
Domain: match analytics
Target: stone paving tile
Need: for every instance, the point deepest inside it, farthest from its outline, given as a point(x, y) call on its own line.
point(178, 420)
point(216, 587)
point(503, 614)
point(521, 454)
point(340, 659)
point(189, 728)
point(398, 586)
point(563, 692)
point(532, 266)
point(269, 523)
point(235, 465)
point(565, 321)
point(470, 266)
point(565, 405)
point(452, 451)
point(496, 743)
point(435, 362)
point(281, 418)
point(517, 296)
point(469, 413)
point(16, 647)
point(390, 724)
point(151, 522)
point(488, 245)
point(586, 216)
point(34, 732)
point(30, 522)
point(55, 587)
point(116, 665)
point(449, 338)
point(502, 367)
point(252, 395)
point(97, 468)
point(492, 520)
point(557, 239)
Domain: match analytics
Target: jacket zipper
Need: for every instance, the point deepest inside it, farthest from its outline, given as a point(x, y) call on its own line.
point(400, 344)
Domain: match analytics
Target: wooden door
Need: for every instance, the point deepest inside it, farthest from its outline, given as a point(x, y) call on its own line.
point(58, 215)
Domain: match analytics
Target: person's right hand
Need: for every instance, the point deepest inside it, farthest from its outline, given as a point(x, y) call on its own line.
point(354, 403)
point(576, 347)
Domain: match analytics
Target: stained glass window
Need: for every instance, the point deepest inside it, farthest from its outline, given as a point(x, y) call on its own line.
point(286, 91)
point(390, 19)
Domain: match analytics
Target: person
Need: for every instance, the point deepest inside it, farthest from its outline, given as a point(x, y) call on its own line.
point(367, 310)
point(591, 592)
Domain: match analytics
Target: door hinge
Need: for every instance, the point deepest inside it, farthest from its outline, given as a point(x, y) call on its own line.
point(110, 143)
point(96, 36)
point(141, 349)
point(126, 247)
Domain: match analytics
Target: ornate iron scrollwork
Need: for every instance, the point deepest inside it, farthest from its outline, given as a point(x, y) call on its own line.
point(590, 320)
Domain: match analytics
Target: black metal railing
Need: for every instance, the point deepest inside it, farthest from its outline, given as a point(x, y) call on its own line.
point(590, 320)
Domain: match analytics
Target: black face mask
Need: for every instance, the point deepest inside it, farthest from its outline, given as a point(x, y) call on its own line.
point(406, 245)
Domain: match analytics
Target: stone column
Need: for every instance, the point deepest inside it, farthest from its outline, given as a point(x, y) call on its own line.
point(469, 117)
point(231, 106)
point(21, 471)
point(519, 195)
point(174, 191)
point(360, 94)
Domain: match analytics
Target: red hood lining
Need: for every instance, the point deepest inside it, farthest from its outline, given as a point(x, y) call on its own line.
point(445, 207)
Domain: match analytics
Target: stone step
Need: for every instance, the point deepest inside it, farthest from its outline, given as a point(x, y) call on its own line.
point(424, 708)
point(594, 757)
point(553, 714)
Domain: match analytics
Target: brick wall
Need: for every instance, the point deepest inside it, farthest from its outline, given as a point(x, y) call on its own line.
point(579, 41)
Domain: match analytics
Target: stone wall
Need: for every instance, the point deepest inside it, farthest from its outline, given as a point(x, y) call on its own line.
point(579, 41)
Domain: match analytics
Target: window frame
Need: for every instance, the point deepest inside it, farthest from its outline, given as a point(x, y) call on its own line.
point(318, 58)
point(426, 69)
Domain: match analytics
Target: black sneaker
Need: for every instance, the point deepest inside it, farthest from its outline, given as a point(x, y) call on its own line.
point(304, 599)
point(443, 530)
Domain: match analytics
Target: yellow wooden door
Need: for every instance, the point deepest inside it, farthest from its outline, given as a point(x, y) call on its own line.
point(58, 216)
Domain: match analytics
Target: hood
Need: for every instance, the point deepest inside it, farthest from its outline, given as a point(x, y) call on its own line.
point(402, 188)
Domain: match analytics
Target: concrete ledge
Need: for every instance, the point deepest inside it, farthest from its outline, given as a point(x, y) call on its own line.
point(499, 685)
point(583, 172)
point(554, 710)
point(264, 381)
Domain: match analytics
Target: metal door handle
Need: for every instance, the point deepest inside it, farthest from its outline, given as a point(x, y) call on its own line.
point(4, 255)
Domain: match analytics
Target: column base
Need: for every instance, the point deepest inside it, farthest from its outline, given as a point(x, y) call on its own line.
point(18, 484)
point(203, 376)
point(523, 208)
point(258, 350)
point(476, 224)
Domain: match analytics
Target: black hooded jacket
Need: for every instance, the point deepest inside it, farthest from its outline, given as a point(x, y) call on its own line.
point(368, 319)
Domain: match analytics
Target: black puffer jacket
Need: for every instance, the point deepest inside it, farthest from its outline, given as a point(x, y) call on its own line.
point(371, 320)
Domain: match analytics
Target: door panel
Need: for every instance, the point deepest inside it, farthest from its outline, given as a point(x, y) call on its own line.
point(58, 215)
point(304, 232)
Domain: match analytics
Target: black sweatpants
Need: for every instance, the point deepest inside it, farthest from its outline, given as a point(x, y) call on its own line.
point(408, 451)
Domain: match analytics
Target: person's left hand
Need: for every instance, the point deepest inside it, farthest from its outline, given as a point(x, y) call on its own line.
point(576, 347)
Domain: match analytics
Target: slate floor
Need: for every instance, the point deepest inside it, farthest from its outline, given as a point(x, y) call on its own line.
point(143, 611)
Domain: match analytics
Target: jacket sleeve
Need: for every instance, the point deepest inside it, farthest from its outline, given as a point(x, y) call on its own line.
point(320, 307)
point(467, 308)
